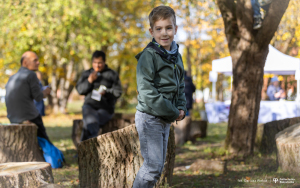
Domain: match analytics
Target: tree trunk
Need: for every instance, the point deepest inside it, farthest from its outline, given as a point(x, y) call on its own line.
point(54, 84)
point(188, 60)
point(30, 174)
point(118, 121)
point(288, 149)
point(18, 143)
point(113, 159)
point(248, 49)
point(66, 87)
point(245, 101)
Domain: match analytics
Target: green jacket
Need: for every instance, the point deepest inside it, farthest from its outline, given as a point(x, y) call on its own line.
point(160, 85)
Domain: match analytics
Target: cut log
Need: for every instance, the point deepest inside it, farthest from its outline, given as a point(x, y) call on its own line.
point(113, 159)
point(30, 174)
point(270, 129)
point(18, 143)
point(208, 165)
point(118, 121)
point(198, 130)
point(182, 130)
point(288, 149)
point(76, 131)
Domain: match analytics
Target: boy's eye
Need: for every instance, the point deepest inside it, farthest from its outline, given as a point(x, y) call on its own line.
point(158, 29)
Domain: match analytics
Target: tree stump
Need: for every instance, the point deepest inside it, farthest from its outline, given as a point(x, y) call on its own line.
point(113, 159)
point(198, 130)
point(182, 130)
point(270, 129)
point(18, 143)
point(288, 149)
point(29, 174)
point(118, 121)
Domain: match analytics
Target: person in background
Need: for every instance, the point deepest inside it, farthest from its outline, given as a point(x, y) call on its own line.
point(188, 90)
point(21, 89)
point(274, 91)
point(101, 87)
point(40, 106)
point(257, 19)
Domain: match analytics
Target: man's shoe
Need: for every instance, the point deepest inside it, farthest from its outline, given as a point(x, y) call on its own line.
point(257, 23)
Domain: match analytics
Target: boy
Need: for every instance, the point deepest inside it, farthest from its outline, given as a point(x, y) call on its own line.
point(161, 98)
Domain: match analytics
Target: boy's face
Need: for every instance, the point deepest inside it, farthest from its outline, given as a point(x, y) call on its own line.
point(163, 32)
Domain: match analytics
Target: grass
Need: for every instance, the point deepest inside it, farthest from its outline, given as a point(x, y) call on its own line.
point(239, 171)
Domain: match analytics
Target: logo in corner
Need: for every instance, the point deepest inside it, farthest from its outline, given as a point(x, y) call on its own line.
point(275, 180)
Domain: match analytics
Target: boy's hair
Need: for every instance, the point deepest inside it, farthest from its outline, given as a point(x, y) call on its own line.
point(161, 12)
point(98, 54)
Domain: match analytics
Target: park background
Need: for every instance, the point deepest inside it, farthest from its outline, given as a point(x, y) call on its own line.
point(65, 33)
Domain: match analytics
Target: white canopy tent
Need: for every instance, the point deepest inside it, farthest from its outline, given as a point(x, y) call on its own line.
point(276, 63)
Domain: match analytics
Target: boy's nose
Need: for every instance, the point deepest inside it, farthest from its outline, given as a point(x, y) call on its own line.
point(164, 31)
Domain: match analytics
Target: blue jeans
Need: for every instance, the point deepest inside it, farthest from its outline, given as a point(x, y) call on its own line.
point(256, 8)
point(153, 135)
point(93, 120)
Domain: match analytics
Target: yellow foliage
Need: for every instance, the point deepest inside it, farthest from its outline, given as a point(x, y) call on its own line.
point(289, 30)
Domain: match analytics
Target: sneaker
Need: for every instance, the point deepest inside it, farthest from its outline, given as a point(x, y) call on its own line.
point(257, 22)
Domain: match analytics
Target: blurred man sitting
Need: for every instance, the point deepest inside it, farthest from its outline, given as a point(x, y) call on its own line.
point(21, 89)
point(274, 91)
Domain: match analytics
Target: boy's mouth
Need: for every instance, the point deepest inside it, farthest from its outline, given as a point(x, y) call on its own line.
point(164, 39)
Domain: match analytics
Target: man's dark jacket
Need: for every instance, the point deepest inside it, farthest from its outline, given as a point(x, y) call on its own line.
point(189, 90)
point(108, 78)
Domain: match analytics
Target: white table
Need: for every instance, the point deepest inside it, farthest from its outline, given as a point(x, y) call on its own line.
point(269, 111)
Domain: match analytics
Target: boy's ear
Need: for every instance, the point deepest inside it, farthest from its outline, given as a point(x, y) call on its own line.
point(176, 27)
point(151, 31)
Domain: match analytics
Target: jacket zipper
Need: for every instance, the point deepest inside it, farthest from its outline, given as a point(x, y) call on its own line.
point(176, 82)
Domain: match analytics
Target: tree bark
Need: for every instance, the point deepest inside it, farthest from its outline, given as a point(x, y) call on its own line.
point(188, 59)
point(18, 143)
point(29, 174)
point(248, 49)
point(119, 121)
point(288, 149)
point(113, 159)
point(54, 85)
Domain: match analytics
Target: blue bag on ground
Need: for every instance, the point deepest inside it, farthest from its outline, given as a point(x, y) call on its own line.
point(51, 154)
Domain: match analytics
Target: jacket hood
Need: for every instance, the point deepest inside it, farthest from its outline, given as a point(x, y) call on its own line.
point(167, 55)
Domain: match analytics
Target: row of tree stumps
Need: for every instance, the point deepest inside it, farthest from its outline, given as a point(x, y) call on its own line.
point(18, 149)
point(110, 160)
point(113, 159)
point(283, 138)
